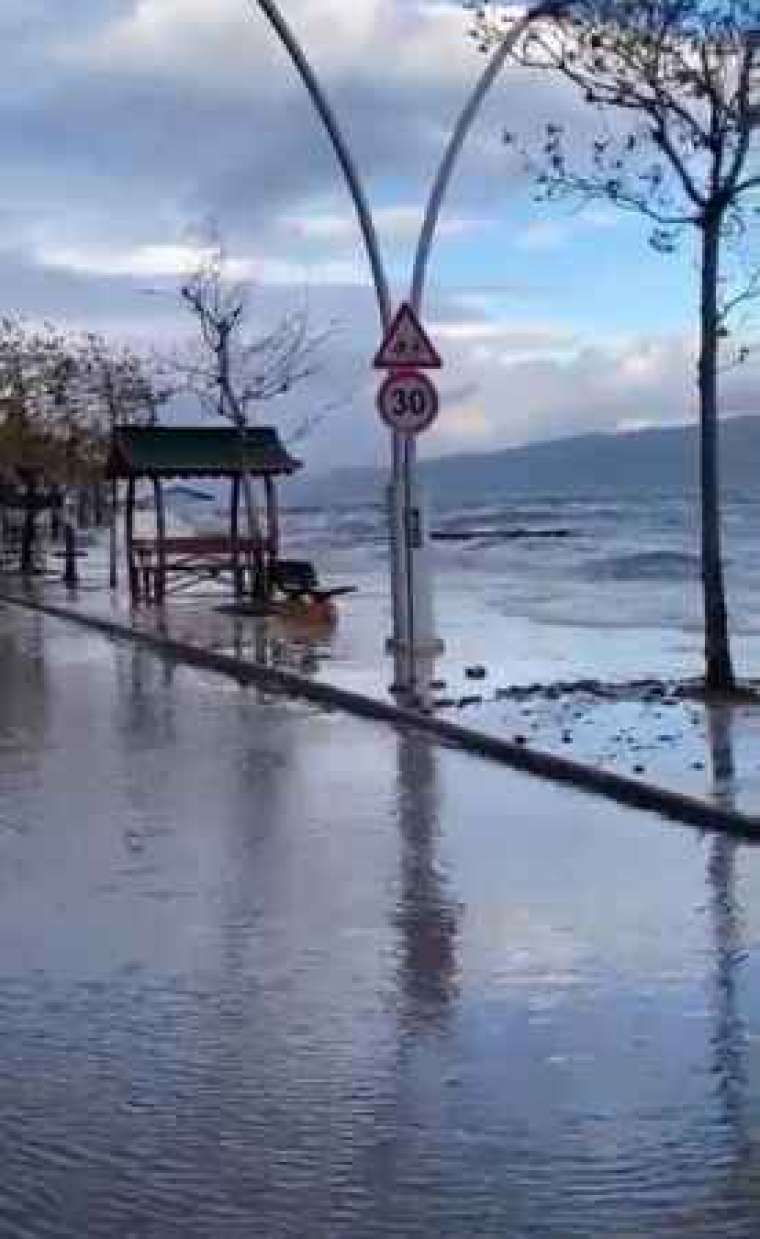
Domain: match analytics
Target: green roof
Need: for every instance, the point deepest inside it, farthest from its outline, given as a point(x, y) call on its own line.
point(197, 451)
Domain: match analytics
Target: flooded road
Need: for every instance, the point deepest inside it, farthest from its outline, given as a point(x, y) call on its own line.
point(271, 971)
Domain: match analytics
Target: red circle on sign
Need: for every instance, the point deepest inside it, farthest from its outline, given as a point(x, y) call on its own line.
point(408, 402)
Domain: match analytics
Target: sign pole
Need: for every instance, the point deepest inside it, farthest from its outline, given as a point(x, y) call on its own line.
point(422, 640)
point(408, 401)
point(413, 533)
point(412, 639)
point(397, 539)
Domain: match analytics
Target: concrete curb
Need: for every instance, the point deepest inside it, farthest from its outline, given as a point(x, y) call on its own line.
point(677, 806)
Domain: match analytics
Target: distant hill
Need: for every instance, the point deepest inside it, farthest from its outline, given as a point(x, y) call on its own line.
point(662, 461)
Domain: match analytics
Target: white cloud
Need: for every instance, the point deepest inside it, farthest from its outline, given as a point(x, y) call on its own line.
point(142, 117)
point(589, 388)
point(394, 223)
point(227, 42)
point(517, 336)
point(177, 260)
point(144, 260)
point(464, 425)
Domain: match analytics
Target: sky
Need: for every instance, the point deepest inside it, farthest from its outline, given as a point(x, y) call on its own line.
point(126, 125)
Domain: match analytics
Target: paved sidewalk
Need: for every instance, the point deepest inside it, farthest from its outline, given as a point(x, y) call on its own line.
point(658, 733)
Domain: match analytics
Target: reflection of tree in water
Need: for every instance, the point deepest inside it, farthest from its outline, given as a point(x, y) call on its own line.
point(426, 916)
point(728, 1040)
point(26, 693)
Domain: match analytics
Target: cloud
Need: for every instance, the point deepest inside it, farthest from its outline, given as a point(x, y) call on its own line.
point(614, 385)
point(131, 120)
point(187, 40)
point(505, 340)
point(196, 108)
point(142, 260)
point(465, 426)
point(158, 261)
point(553, 234)
point(394, 224)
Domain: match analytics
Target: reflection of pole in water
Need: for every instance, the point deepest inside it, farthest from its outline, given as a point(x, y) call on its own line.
point(719, 734)
point(728, 1036)
point(426, 916)
point(418, 695)
point(260, 643)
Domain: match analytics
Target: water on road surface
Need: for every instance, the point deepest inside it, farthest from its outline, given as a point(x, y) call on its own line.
point(267, 970)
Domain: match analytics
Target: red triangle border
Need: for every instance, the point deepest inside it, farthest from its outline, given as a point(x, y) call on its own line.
point(383, 362)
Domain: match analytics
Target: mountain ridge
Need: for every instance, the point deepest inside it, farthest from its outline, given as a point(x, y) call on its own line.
point(652, 460)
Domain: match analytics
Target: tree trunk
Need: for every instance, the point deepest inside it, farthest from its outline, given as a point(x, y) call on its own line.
point(29, 531)
point(129, 537)
point(259, 582)
point(113, 573)
point(98, 504)
point(719, 672)
point(237, 571)
point(233, 410)
point(159, 572)
point(83, 508)
point(70, 569)
point(55, 517)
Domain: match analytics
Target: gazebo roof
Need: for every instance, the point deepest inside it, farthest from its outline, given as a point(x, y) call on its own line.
point(197, 451)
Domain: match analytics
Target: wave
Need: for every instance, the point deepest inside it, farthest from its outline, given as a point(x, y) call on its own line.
point(644, 566)
point(495, 535)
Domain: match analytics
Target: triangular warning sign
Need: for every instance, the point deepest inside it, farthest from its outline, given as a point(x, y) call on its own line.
point(406, 344)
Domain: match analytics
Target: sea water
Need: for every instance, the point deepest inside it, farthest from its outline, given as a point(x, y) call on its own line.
point(619, 578)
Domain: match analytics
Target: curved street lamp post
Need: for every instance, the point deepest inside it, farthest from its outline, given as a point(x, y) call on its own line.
point(753, 41)
point(413, 642)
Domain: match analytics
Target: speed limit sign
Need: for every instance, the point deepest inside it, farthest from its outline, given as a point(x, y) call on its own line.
point(408, 401)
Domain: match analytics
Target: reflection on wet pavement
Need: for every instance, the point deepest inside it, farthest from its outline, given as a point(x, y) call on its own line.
point(268, 970)
point(655, 728)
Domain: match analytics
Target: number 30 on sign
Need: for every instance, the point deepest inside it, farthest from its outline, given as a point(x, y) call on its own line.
point(408, 401)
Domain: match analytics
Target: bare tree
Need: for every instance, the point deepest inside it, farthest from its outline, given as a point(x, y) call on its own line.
point(672, 83)
point(235, 370)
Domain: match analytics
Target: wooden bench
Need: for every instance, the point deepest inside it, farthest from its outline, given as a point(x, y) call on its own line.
point(195, 556)
point(209, 555)
point(297, 578)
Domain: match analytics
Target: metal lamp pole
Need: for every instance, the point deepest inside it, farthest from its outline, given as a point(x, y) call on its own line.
point(753, 44)
point(382, 292)
point(413, 636)
point(417, 573)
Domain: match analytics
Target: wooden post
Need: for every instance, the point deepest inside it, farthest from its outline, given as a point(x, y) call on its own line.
point(273, 518)
point(273, 530)
point(84, 507)
point(237, 571)
point(98, 506)
point(29, 529)
point(159, 572)
point(55, 516)
point(70, 573)
point(260, 574)
point(129, 529)
point(113, 571)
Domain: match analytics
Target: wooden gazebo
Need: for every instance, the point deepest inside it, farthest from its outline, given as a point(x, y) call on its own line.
point(157, 453)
